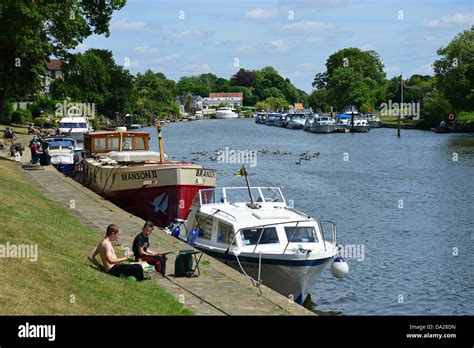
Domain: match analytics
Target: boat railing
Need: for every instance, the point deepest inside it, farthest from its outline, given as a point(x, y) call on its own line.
point(240, 195)
point(333, 230)
point(224, 212)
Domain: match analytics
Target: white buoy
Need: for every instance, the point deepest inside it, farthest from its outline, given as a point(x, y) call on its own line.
point(339, 268)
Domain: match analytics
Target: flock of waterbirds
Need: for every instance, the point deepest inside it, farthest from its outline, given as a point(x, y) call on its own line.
point(304, 156)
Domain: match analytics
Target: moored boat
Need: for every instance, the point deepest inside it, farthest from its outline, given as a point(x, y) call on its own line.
point(120, 167)
point(320, 124)
point(296, 121)
point(226, 112)
point(261, 236)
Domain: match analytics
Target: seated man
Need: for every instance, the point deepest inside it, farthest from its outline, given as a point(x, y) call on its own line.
point(110, 263)
point(142, 251)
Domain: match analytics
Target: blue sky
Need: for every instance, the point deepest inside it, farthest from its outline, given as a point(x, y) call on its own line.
point(296, 37)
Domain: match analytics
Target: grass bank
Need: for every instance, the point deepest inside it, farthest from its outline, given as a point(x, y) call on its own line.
point(61, 282)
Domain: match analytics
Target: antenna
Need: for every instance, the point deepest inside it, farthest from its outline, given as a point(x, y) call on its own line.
point(160, 140)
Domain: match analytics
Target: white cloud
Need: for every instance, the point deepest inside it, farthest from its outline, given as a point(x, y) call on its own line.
point(276, 45)
point(167, 58)
point(185, 34)
point(125, 25)
point(420, 40)
point(82, 47)
point(293, 74)
point(392, 69)
point(146, 49)
point(368, 47)
point(455, 20)
point(306, 27)
point(260, 13)
point(197, 68)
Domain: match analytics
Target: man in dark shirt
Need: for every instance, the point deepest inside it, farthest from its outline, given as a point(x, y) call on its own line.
point(141, 249)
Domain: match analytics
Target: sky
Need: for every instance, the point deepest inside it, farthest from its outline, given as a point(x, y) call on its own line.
point(183, 38)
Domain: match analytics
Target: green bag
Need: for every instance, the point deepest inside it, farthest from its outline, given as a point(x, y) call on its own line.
point(183, 266)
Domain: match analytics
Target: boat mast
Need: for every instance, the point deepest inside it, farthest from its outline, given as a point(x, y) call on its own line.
point(160, 140)
point(243, 172)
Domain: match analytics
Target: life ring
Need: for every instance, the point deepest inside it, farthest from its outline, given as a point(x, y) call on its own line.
point(451, 117)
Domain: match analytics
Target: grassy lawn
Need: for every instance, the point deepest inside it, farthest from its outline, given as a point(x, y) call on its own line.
point(393, 120)
point(62, 273)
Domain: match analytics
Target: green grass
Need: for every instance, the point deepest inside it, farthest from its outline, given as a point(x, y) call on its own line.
point(62, 273)
point(393, 120)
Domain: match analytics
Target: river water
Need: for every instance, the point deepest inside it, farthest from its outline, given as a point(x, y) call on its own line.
point(405, 205)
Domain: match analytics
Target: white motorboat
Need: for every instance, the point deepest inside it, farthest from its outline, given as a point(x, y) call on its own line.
point(75, 127)
point(320, 124)
point(64, 153)
point(226, 112)
point(254, 230)
point(296, 121)
point(374, 121)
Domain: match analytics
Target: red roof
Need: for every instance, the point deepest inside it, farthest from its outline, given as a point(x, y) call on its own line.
point(227, 95)
point(54, 64)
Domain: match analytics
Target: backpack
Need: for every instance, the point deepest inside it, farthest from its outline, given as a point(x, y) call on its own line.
point(183, 266)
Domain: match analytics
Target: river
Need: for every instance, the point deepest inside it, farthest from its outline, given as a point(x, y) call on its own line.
point(408, 202)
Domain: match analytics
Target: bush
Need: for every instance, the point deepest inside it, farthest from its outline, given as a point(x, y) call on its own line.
point(7, 113)
point(20, 116)
point(435, 109)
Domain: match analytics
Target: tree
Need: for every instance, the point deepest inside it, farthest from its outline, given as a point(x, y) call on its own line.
point(156, 95)
point(454, 71)
point(319, 100)
point(245, 78)
point(275, 104)
point(352, 77)
point(33, 31)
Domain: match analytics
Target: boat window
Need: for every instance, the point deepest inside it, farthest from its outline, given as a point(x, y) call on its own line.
point(113, 144)
point(225, 233)
point(269, 236)
point(272, 194)
point(301, 234)
point(60, 144)
point(206, 224)
point(99, 144)
point(139, 144)
point(127, 144)
point(239, 194)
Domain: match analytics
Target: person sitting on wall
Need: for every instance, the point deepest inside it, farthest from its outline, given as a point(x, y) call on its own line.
point(110, 263)
point(141, 249)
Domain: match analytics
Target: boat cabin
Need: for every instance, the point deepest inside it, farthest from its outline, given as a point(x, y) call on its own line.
point(107, 141)
point(223, 217)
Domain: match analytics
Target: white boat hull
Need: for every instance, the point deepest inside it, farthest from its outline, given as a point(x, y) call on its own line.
point(294, 279)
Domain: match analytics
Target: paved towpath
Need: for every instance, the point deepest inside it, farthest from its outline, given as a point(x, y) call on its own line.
point(220, 290)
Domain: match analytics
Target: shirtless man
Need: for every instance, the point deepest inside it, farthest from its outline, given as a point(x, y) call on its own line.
point(110, 263)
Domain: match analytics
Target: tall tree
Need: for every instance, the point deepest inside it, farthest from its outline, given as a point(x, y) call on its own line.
point(352, 76)
point(245, 78)
point(454, 71)
point(33, 31)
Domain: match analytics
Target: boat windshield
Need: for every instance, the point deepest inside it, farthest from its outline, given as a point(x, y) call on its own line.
point(251, 236)
point(301, 234)
point(61, 144)
point(72, 125)
point(240, 195)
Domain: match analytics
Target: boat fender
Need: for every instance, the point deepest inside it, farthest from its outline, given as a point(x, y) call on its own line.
point(191, 240)
point(175, 231)
point(339, 268)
